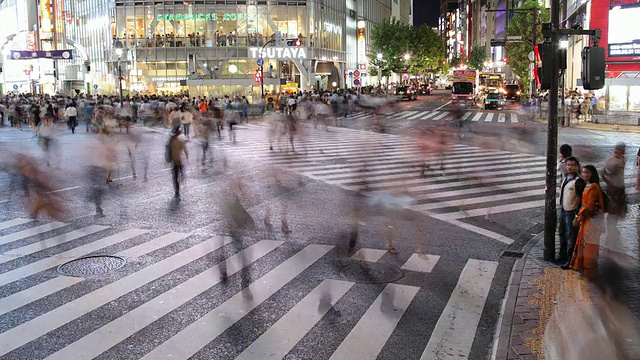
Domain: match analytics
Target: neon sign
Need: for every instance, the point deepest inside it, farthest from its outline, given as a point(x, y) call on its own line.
point(279, 53)
point(207, 17)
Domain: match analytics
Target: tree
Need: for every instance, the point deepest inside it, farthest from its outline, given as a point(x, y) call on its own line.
point(426, 49)
point(521, 24)
point(390, 37)
point(477, 58)
point(455, 62)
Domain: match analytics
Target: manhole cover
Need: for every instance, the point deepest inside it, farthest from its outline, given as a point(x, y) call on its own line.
point(91, 265)
point(371, 273)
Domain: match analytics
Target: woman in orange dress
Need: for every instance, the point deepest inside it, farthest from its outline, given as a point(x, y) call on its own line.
point(590, 218)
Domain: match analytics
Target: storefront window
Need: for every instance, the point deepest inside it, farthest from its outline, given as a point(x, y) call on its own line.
point(634, 98)
point(618, 98)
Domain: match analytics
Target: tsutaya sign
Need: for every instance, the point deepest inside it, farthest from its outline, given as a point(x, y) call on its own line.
point(208, 17)
point(279, 53)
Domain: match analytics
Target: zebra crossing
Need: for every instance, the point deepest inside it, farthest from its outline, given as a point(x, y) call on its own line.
point(168, 300)
point(473, 181)
point(436, 115)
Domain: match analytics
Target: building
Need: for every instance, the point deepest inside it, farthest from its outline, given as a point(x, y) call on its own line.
point(209, 47)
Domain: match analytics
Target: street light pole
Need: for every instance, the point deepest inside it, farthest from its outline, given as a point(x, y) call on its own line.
point(120, 82)
point(119, 47)
point(262, 66)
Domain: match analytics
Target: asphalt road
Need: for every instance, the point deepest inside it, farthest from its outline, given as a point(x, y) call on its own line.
point(298, 295)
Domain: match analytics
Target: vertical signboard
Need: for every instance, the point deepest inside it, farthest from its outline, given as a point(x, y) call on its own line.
point(31, 40)
point(59, 18)
point(362, 46)
point(46, 17)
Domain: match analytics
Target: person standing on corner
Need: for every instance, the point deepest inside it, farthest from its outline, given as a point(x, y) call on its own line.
point(570, 201)
point(175, 149)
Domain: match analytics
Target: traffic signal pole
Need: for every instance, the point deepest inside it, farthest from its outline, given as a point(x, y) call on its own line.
point(550, 212)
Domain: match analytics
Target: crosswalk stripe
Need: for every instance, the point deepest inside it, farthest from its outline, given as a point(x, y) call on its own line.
point(204, 330)
point(31, 232)
point(48, 263)
point(14, 222)
point(491, 210)
point(466, 115)
point(501, 117)
point(52, 242)
point(153, 245)
point(31, 330)
point(419, 114)
point(514, 118)
point(456, 328)
point(489, 117)
point(483, 199)
point(370, 255)
point(443, 114)
point(377, 324)
point(477, 117)
point(282, 336)
point(423, 263)
point(471, 183)
point(428, 115)
point(405, 114)
point(135, 320)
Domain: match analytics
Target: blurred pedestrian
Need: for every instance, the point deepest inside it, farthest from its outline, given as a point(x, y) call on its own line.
point(613, 176)
point(565, 152)
point(175, 147)
point(71, 113)
point(638, 170)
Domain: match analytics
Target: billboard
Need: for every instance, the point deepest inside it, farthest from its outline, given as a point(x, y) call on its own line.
point(624, 35)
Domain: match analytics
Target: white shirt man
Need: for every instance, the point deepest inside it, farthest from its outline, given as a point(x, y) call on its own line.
point(570, 201)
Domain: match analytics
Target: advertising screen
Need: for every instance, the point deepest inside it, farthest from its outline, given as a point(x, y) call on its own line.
point(624, 35)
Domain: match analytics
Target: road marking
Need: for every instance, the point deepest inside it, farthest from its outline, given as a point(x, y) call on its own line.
point(31, 232)
point(377, 324)
point(514, 118)
point(482, 199)
point(440, 107)
point(477, 117)
point(489, 117)
point(419, 114)
point(501, 118)
point(423, 263)
point(491, 210)
point(283, 336)
point(54, 241)
point(443, 114)
point(207, 328)
point(48, 263)
point(371, 255)
point(4, 201)
point(104, 338)
point(428, 115)
point(466, 115)
point(405, 114)
point(14, 222)
point(153, 245)
point(65, 189)
point(456, 328)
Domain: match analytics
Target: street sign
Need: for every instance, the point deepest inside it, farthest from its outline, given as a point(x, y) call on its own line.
point(363, 66)
point(15, 86)
point(496, 43)
point(356, 73)
point(95, 86)
point(532, 56)
point(356, 82)
point(260, 62)
point(514, 38)
point(351, 73)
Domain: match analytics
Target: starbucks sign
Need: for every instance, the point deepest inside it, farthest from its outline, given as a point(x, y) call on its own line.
point(207, 17)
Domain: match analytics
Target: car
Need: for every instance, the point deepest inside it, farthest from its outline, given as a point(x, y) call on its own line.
point(406, 92)
point(425, 89)
point(512, 92)
point(494, 101)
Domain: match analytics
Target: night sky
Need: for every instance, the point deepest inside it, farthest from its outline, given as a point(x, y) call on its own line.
point(426, 12)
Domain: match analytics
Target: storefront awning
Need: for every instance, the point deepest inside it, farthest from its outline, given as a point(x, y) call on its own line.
point(325, 68)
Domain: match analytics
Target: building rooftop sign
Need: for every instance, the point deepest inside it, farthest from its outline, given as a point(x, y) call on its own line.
point(279, 53)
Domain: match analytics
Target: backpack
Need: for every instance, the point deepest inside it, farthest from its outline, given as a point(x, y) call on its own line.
point(605, 201)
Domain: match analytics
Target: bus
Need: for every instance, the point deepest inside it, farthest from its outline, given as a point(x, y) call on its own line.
point(491, 82)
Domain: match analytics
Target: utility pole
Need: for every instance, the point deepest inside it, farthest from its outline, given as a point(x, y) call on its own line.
point(550, 213)
point(534, 41)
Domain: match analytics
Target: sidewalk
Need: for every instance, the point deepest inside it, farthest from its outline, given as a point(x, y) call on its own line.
point(532, 295)
point(588, 125)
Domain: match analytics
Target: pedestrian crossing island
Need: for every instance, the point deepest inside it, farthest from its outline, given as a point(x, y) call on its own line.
point(85, 325)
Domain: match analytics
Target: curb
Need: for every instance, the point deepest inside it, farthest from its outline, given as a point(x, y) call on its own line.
point(505, 322)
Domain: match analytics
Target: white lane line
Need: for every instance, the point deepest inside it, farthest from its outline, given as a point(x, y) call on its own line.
point(501, 117)
point(34, 328)
point(514, 118)
point(14, 222)
point(30, 232)
point(490, 210)
point(4, 201)
point(476, 229)
point(456, 328)
point(483, 199)
point(419, 114)
point(428, 115)
point(489, 117)
point(440, 107)
point(443, 114)
point(48, 263)
point(204, 330)
point(55, 241)
point(153, 245)
point(471, 183)
point(104, 338)
point(477, 117)
point(405, 114)
point(466, 115)
point(423, 263)
point(377, 324)
point(65, 189)
point(371, 255)
point(283, 336)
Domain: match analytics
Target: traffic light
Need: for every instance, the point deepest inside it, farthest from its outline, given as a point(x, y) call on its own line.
point(593, 67)
point(546, 72)
point(298, 42)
